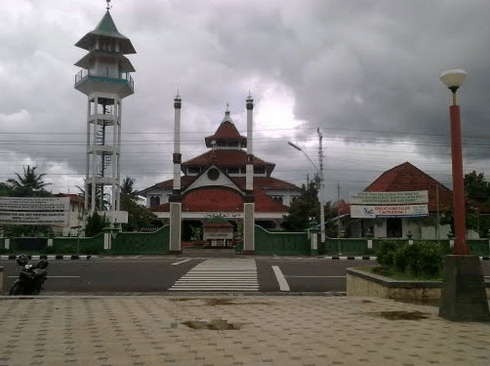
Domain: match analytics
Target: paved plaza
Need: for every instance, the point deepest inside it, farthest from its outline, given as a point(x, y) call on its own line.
point(233, 330)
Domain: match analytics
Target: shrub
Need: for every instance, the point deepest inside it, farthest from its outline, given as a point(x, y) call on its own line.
point(421, 258)
point(68, 249)
point(430, 258)
point(382, 270)
point(4, 250)
point(92, 250)
point(49, 250)
point(385, 252)
point(445, 247)
point(401, 258)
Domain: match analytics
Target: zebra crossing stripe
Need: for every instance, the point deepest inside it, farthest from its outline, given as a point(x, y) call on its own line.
point(220, 275)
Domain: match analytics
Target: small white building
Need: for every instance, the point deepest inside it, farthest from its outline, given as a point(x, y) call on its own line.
point(406, 177)
point(76, 219)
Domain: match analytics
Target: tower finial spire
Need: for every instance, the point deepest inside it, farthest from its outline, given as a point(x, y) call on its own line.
point(108, 4)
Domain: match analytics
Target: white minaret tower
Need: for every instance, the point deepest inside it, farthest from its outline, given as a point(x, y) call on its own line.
point(249, 205)
point(175, 198)
point(106, 80)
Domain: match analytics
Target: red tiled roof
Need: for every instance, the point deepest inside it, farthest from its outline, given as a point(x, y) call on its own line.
point(226, 131)
point(259, 182)
point(73, 197)
point(264, 203)
point(406, 177)
point(185, 181)
point(342, 207)
point(217, 224)
point(220, 199)
point(225, 158)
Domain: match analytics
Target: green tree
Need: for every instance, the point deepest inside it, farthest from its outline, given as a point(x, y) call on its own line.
point(331, 220)
point(303, 210)
point(95, 224)
point(29, 184)
point(6, 190)
point(476, 187)
point(127, 188)
point(139, 216)
point(477, 197)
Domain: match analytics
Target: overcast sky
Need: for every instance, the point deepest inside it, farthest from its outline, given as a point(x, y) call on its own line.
point(365, 72)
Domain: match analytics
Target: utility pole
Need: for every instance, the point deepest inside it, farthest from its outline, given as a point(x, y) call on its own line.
point(338, 214)
point(322, 187)
point(319, 175)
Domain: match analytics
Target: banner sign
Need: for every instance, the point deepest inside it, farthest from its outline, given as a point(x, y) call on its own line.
point(217, 235)
point(389, 198)
point(34, 210)
point(377, 211)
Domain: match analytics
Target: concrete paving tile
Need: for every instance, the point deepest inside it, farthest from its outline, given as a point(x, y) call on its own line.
point(148, 330)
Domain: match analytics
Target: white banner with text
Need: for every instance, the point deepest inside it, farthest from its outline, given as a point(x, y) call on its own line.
point(389, 198)
point(372, 212)
point(34, 210)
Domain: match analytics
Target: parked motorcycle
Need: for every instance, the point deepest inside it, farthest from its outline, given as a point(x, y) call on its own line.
point(31, 277)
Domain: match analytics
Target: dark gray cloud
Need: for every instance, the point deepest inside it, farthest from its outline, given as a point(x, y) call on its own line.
point(364, 72)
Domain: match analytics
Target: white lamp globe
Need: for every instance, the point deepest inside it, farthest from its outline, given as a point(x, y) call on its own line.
point(454, 78)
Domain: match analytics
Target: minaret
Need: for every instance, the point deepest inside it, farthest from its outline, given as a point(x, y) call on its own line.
point(248, 205)
point(105, 78)
point(175, 199)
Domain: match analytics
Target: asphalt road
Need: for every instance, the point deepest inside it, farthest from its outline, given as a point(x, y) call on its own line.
point(159, 274)
point(125, 275)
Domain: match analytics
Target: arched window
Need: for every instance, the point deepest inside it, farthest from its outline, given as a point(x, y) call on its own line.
point(154, 201)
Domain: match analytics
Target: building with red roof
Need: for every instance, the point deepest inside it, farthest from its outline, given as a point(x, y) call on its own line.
point(76, 222)
point(214, 184)
point(401, 178)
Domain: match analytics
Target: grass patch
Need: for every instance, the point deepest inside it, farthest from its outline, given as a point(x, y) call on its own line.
point(395, 274)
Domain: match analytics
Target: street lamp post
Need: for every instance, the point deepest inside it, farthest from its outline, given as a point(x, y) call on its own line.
point(463, 295)
point(321, 194)
point(453, 79)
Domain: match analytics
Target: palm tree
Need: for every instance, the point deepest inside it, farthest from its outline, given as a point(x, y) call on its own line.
point(127, 188)
point(99, 194)
point(30, 179)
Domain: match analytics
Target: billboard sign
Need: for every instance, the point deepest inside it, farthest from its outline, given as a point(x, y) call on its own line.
point(34, 210)
point(379, 211)
point(389, 198)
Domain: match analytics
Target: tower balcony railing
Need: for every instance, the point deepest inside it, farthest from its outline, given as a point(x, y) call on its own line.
point(122, 77)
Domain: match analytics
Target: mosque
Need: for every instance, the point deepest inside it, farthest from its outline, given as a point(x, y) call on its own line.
point(214, 185)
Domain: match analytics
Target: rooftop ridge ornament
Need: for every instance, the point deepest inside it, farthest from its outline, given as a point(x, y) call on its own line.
point(108, 4)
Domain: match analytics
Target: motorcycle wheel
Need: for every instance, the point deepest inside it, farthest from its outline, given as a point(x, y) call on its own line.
point(17, 289)
point(37, 289)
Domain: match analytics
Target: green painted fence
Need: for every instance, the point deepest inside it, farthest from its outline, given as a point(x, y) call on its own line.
point(266, 243)
point(142, 243)
point(280, 243)
point(90, 245)
point(121, 243)
point(479, 246)
point(357, 246)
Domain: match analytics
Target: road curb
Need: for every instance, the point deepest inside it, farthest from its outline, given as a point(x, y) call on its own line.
point(48, 257)
point(351, 257)
point(373, 258)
